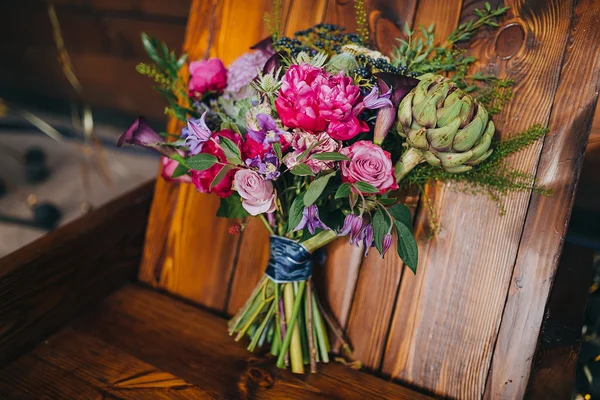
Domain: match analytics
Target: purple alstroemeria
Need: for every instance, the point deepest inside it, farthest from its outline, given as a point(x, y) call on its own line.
point(195, 134)
point(310, 219)
point(400, 86)
point(269, 131)
point(140, 134)
point(353, 225)
point(374, 100)
point(368, 238)
point(268, 165)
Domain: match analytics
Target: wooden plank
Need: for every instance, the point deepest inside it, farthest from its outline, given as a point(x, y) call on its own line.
point(193, 344)
point(73, 365)
point(445, 342)
point(588, 192)
point(378, 281)
point(173, 8)
point(46, 283)
point(548, 217)
point(553, 366)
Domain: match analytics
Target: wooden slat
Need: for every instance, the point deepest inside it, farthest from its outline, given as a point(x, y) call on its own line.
point(43, 285)
point(554, 364)
point(445, 342)
point(378, 280)
point(193, 344)
point(73, 365)
point(548, 217)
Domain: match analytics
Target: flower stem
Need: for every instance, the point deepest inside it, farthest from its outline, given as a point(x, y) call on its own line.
point(410, 159)
point(264, 220)
point(319, 240)
point(320, 330)
point(292, 336)
point(309, 330)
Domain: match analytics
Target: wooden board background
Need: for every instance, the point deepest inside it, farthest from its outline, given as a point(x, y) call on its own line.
point(466, 325)
point(103, 41)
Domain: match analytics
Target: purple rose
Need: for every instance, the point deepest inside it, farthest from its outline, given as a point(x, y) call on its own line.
point(368, 163)
point(258, 195)
point(206, 76)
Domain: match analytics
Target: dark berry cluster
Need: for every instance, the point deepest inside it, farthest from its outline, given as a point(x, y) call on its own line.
point(326, 38)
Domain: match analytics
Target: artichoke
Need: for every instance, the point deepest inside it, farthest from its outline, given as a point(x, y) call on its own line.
point(443, 126)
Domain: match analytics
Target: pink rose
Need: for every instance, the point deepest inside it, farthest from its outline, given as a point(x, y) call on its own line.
point(206, 76)
point(369, 163)
point(203, 179)
point(258, 195)
point(168, 167)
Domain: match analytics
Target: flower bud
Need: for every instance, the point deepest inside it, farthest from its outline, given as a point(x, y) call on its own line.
point(386, 243)
point(341, 62)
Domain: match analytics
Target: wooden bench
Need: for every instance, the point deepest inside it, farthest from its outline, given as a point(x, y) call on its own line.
point(493, 312)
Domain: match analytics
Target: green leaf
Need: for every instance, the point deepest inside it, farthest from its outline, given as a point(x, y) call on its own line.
point(220, 176)
point(277, 149)
point(201, 162)
point(230, 149)
point(302, 170)
point(296, 210)
point(179, 171)
point(365, 187)
point(407, 247)
point(381, 226)
point(231, 207)
point(388, 202)
point(316, 188)
point(329, 156)
point(343, 191)
point(401, 213)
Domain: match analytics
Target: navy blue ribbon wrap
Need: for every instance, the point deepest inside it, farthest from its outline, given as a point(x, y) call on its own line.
point(289, 261)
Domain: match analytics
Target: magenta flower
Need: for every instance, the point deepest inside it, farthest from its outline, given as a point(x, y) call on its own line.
point(368, 163)
point(310, 220)
point(206, 76)
point(298, 100)
point(140, 134)
point(347, 129)
point(337, 96)
point(196, 133)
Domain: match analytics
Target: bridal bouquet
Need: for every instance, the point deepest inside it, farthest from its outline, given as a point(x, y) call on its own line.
point(314, 134)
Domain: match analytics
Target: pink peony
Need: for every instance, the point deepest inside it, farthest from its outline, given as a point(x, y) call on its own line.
point(298, 100)
point(258, 195)
point(313, 100)
point(347, 129)
point(206, 76)
point(168, 167)
point(369, 163)
point(337, 97)
point(203, 179)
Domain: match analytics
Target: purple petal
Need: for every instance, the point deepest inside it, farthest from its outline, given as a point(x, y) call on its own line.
point(386, 243)
point(273, 63)
point(374, 101)
point(140, 134)
point(367, 235)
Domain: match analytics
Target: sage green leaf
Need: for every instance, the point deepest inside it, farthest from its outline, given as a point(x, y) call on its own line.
point(365, 187)
point(329, 156)
point(231, 207)
point(220, 176)
point(381, 226)
point(316, 188)
point(407, 246)
point(302, 170)
point(201, 162)
point(180, 170)
point(343, 191)
point(401, 213)
point(296, 210)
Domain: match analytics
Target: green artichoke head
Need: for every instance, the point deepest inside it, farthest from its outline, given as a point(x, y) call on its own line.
point(443, 126)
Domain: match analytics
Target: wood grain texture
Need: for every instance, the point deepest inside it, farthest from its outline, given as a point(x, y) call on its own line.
point(193, 344)
point(548, 217)
point(378, 282)
point(466, 273)
point(43, 285)
point(74, 365)
point(553, 366)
